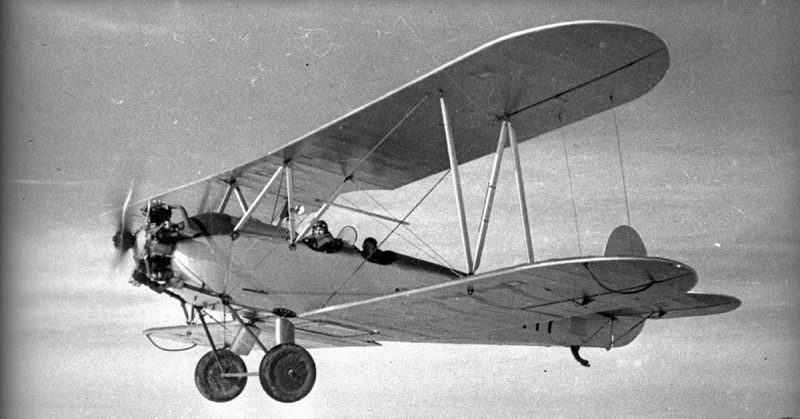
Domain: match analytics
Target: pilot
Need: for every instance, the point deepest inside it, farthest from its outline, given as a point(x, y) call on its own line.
point(372, 254)
point(322, 240)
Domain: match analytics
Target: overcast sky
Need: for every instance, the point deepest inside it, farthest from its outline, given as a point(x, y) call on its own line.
point(190, 89)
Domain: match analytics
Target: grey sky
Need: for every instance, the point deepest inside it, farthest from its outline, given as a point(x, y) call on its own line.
point(187, 90)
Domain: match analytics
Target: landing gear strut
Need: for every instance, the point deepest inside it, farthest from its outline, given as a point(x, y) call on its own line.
point(220, 375)
point(287, 372)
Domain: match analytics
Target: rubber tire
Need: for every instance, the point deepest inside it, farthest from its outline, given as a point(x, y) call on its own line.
point(207, 376)
point(287, 373)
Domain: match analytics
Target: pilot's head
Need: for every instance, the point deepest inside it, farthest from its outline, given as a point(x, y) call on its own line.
point(320, 228)
point(370, 246)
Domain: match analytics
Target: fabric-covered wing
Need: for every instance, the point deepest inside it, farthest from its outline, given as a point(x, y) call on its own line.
point(223, 334)
point(605, 294)
point(466, 309)
point(540, 79)
point(685, 305)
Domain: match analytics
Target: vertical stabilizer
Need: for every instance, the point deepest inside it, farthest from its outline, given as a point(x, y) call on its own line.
point(625, 241)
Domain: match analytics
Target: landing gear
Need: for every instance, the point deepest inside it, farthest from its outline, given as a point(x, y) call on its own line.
point(211, 375)
point(287, 373)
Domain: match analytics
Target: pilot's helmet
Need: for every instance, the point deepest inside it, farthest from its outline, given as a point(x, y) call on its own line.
point(320, 228)
point(370, 246)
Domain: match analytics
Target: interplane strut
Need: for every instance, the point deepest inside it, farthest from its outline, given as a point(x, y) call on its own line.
point(523, 206)
point(507, 133)
point(225, 198)
point(258, 200)
point(451, 153)
point(489, 200)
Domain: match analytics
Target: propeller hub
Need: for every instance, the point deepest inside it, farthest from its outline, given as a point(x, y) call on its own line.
point(124, 240)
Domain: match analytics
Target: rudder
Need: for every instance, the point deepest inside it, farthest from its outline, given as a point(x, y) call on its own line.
point(625, 241)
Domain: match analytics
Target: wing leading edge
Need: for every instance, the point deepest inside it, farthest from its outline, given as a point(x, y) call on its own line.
point(541, 79)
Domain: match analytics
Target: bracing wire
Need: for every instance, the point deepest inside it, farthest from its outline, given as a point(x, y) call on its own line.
point(387, 236)
point(571, 189)
point(378, 144)
point(435, 255)
point(621, 167)
point(631, 329)
point(424, 197)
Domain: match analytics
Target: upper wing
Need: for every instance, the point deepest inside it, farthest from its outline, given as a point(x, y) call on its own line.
point(540, 78)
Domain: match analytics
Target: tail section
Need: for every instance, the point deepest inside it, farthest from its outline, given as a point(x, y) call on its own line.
point(625, 241)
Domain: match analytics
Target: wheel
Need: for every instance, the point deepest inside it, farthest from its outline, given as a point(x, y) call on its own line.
point(209, 380)
point(287, 373)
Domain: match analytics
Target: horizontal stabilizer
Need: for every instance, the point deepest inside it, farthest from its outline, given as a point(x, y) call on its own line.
point(685, 305)
point(625, 241)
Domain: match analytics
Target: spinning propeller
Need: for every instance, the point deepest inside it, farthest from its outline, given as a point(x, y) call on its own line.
point(123, 187)
point(124, 239)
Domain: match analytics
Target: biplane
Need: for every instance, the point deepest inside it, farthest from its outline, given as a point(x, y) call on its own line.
point(278, 293)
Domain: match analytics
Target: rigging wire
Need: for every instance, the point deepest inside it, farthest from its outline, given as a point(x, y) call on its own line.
point(385, 238)
point(424, 197)
point(631, 329)
point(349, 177)
point(599, 329)
point(435, 256)
point(571, 189)
point(397, 125)
point(621, 167)
point(406, 239)
point(223, 324)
